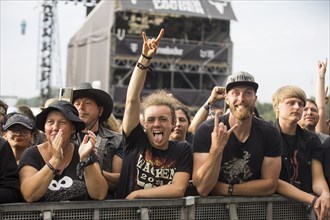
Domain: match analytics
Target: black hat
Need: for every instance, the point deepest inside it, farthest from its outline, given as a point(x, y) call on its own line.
point(21, 119)
point(101, 97)
point(68, 110)
point(241, 78)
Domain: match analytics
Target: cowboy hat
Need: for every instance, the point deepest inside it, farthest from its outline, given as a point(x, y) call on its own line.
point(101, 97)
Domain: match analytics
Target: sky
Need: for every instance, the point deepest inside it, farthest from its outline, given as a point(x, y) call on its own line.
point(279, 42)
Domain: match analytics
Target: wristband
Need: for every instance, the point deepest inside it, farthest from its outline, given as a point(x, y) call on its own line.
point(145, 56)
point(310, 206)
point(82, 164)
point(208, 108)
point(230, 189)
point(141, 66)
point(54, 171)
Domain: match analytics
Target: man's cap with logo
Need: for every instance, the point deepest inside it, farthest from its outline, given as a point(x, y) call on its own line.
point(21, 119)
point(68, 110)
point(101, 97)
point(241, 79)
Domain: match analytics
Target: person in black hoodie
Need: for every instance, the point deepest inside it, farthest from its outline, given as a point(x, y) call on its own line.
point(9, 185)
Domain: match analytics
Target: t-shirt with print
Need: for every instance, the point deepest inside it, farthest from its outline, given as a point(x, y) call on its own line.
point(146, 167)
point(298, 151)
point(241, 161)
point(65, 186)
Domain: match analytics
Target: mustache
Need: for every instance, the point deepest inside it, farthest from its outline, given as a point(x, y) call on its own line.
point(83, 113)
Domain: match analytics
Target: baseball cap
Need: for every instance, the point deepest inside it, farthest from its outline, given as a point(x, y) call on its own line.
point(21, 119)
point(241, 78)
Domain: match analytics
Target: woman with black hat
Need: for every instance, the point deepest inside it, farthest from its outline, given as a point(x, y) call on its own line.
point(57, 170)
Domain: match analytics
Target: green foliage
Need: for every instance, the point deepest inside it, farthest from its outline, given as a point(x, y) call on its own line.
point(32, 102)
point(35, 101)
point(266, 111)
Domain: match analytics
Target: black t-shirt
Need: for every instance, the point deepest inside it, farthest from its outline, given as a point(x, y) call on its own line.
point(297, 154)
point(63, 187)
point(146, 167)
point(9, 185)
point(241, 162)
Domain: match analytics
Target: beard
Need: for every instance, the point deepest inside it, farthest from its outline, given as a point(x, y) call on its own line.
point(242, 111)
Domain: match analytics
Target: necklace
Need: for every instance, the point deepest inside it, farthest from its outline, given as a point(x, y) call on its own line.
point(66, 149)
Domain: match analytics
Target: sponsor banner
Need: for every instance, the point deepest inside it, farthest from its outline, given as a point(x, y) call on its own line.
point(130, 46)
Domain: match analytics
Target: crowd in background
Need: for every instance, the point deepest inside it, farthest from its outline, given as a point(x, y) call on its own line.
point(78, 150)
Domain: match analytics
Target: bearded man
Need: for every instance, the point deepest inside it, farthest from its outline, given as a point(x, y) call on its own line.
point(246, 157)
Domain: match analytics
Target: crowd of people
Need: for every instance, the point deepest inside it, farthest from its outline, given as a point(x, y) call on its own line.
point(77, 150)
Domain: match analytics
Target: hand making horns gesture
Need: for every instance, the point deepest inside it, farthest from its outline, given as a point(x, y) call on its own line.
point(322, 67)
point(220, 134)
point(150, 45)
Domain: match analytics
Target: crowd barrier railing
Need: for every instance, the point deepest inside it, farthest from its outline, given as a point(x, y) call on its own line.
point(192, 208)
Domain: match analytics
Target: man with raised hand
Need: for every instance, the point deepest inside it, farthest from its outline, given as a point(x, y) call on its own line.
point(248, 162)
point(153, 166)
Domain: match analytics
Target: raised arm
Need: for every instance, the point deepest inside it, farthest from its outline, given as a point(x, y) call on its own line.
point(201, 115)
point(132, 107)
point(320, 96)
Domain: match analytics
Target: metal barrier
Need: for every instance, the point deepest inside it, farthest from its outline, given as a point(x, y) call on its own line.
point(192, 208)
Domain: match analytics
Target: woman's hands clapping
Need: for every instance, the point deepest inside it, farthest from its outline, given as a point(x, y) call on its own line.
point(87, 145)
point(57, 146)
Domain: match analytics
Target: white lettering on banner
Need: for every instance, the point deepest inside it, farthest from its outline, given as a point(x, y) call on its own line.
point(148, 176)
point(206, 53)
point(170, 51)
point(193, 6)
point(121, 34)
point(134, 47)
